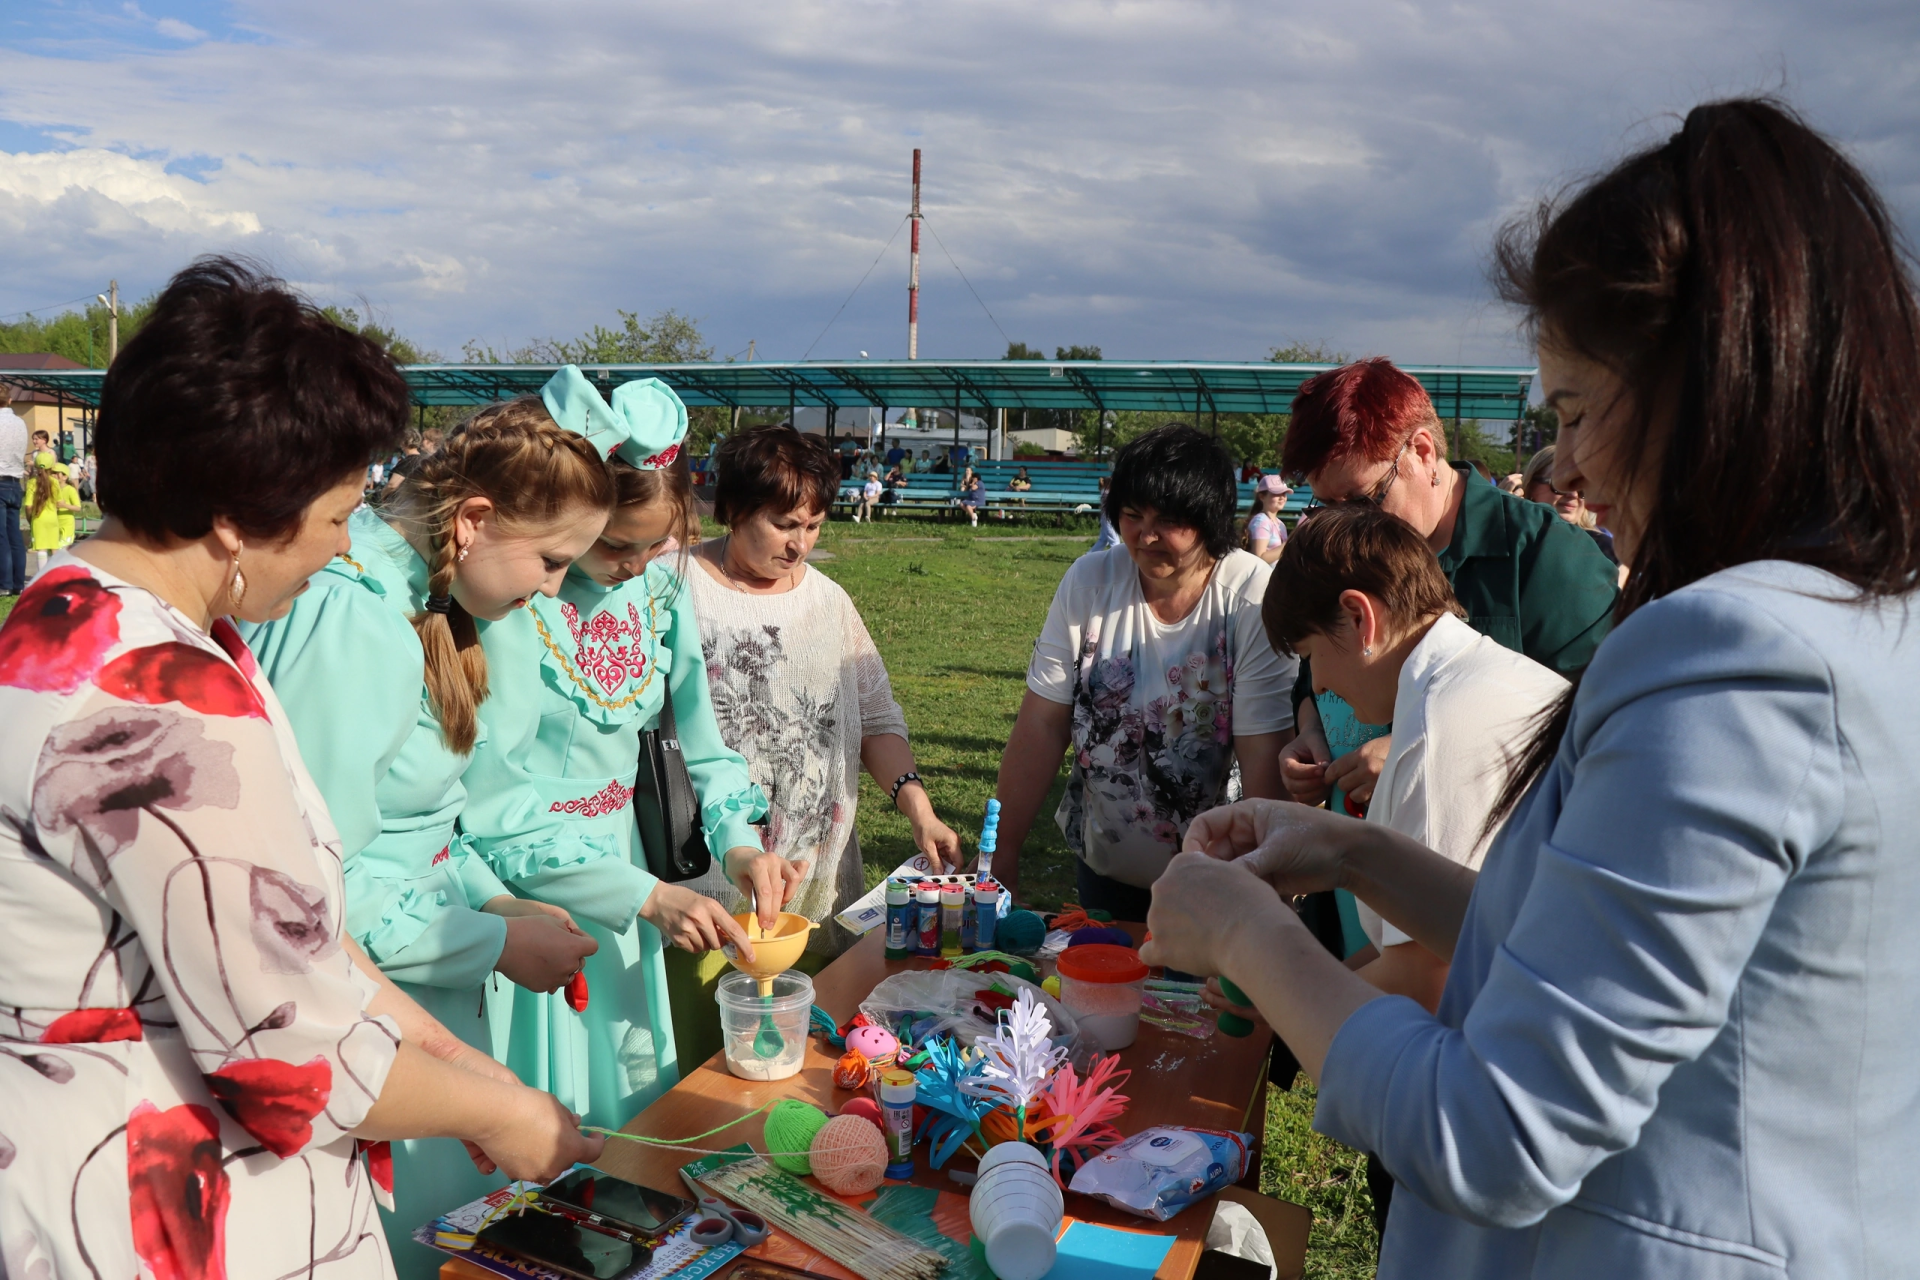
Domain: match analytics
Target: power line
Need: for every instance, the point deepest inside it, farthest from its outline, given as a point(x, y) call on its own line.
point(963, 278)
point(863, 279)
point(47, 307)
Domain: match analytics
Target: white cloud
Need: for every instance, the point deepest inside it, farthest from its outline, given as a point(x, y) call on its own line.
point(141, 191)
point(1166, 178)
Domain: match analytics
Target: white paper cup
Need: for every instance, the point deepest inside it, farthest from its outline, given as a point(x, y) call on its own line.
point(1015, 1209)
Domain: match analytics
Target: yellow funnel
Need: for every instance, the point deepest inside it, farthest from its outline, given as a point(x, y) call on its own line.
point(773, 953)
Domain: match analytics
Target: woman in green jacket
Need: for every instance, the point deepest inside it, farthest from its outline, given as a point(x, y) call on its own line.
point(380, 670)
point(578, 677)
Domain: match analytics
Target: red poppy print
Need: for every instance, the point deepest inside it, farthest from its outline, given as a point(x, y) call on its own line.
point(274, 1101)
point(227, 636)
point(379, 1164)
point(93, 1026)
point(175, 672)
point(178, 1192)
point(63, 625)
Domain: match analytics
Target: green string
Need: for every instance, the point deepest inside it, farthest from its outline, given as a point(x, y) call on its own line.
point(681, 1142)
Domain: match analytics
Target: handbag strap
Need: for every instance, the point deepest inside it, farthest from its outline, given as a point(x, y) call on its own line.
point(669, 727)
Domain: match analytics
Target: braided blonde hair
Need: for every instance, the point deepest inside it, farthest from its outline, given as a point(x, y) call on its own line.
point(534, 473)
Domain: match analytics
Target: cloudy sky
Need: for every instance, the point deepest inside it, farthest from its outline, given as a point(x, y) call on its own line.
point(1165, 179)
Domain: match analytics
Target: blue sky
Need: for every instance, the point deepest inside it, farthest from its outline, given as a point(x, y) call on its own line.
point(1164, 179)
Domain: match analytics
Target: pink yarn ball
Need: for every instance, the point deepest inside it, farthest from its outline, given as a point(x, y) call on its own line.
point(849, 1155)
point(866, 1108)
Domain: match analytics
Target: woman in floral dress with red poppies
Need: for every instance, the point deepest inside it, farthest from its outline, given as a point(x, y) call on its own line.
point(193, 1051)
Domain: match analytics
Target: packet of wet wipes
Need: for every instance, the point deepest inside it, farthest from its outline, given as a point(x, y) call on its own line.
point(1160, 1171)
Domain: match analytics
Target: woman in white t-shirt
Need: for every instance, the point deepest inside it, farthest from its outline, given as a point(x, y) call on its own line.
point(1360, 594)
point(1154, 667)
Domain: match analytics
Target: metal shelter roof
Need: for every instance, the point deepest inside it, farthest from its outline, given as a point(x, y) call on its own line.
point(1458, 391)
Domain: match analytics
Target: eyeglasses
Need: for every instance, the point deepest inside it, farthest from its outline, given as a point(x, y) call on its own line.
point(1379, 495)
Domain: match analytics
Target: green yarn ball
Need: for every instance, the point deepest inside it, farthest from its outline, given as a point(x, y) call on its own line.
point(1021, 932)
point(789, 1133)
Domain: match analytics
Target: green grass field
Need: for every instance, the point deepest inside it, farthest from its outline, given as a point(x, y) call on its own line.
point(955, 612)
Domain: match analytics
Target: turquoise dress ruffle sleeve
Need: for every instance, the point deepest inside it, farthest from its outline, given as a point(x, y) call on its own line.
point(576, 680)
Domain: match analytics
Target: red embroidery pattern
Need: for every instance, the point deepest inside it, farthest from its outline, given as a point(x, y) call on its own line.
point(611, 798)
point(607, 648)
point(664, 458)
point(446, 852)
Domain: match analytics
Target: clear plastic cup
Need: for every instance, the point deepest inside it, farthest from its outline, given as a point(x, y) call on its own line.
point(745, 1014)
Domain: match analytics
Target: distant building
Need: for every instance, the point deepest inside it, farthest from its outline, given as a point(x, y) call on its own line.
point(43, 412)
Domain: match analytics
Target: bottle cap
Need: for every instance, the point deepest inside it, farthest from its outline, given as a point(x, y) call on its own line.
point(953, 893)
point(1101, 962)
point(927, 891)
point(986, 891)
point(898, 891)
point(898, 1087)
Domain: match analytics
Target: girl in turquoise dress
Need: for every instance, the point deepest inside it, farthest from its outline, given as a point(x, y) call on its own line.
point(577, 678)
point(381, 672)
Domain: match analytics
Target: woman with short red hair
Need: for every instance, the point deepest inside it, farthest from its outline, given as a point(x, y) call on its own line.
point(1366, 432)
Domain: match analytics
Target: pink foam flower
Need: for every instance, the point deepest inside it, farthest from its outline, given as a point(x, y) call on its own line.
point(1087, 1109)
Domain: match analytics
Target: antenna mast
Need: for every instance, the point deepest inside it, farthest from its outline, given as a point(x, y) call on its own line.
point(913, 280)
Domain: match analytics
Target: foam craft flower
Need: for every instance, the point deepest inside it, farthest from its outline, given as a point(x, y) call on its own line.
point(62, 626)
point(175, 672)
point(177, 1192)
point(1087, 1107)
point(274, 1101)
point(1017, 1058)
point(93, 1026)
point(953, 1111)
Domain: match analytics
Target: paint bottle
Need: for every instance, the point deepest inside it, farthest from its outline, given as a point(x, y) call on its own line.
point(926, 897)
point(953, 902)
point(899, 914)
point(986, 913)
point(897, 1093)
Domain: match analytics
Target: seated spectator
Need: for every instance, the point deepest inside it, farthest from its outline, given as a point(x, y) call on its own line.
point(890, 487)
point(1154, 667)
point(1676, 1038)
point(1021, 482)
point(1536, 485)
point(1266, 533)
point(973, 495)
point(869, 496)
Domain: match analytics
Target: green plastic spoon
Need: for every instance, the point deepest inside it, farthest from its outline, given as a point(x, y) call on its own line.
point(767, 1041)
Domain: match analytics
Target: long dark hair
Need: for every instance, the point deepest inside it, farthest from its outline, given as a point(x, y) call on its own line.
point(1747, 268)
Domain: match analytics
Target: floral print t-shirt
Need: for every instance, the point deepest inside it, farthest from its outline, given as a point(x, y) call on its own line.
point(184, 1040)
point(1156, 706)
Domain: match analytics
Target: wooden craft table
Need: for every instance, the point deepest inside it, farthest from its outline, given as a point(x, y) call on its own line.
point(1216, 1083)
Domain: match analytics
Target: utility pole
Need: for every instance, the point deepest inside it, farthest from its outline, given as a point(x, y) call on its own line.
point(111, 301)
point(913, 277)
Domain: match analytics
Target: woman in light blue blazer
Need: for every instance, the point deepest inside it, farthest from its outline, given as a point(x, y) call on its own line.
point(1680, 1032)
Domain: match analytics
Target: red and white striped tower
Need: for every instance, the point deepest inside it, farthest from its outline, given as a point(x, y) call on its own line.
point(913, 279)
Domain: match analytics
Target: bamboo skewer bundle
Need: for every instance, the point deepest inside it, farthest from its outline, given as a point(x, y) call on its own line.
point(850, 1237)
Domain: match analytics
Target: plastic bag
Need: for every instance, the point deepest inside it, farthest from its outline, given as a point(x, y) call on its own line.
point(922, 1003)
point(1160, 1171)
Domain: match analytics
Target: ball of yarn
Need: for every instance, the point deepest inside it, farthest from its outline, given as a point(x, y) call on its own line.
point(1100, 933)
point(1021, 932)
point(849, 1155)
point(864, 1107)
point(790, 1130)
point(877, 1043)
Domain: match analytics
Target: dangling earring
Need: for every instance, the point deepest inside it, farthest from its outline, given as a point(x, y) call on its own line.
point(462, 556)
point(237, 588)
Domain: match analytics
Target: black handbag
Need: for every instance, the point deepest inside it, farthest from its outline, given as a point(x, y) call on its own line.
point(665, 806)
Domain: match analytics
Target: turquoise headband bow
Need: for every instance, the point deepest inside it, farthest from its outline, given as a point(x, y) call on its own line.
point(644, 424)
